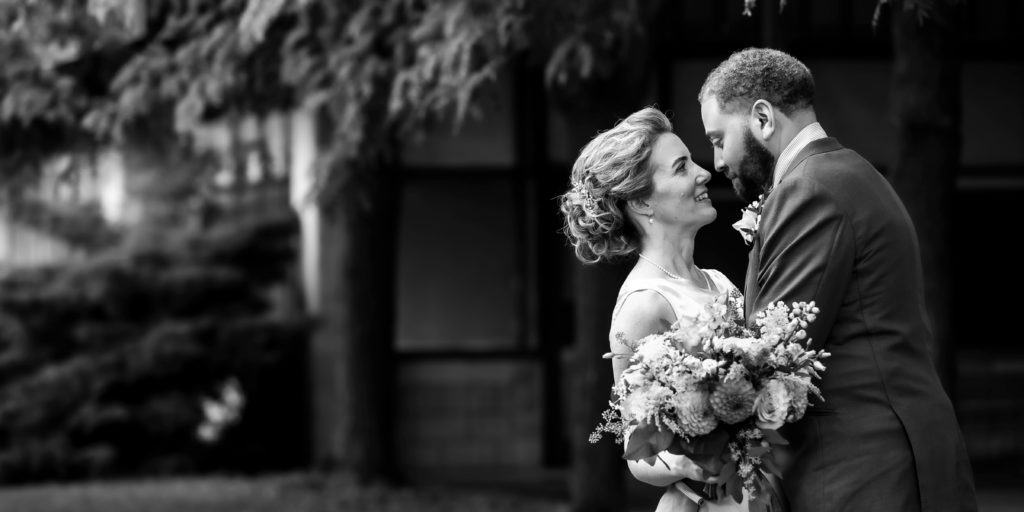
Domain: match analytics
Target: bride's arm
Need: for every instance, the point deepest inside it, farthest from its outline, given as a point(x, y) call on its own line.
point(643, 313)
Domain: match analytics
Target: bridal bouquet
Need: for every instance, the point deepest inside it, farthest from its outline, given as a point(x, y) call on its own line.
point(716, 392)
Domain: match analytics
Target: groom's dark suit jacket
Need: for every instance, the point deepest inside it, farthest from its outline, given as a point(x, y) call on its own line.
point(886, 438)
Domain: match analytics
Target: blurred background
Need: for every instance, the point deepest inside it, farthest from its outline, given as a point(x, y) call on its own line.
point(305, 254)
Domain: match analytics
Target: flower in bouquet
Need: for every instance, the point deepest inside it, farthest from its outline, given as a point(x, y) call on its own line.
point(733, 400)
point(798, 390)
point(694, 412)
point(772, 405)
point(715, 391)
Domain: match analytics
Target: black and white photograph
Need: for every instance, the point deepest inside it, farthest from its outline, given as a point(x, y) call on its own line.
point(511, 255)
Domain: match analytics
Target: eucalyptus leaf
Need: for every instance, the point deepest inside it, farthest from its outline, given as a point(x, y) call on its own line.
point(710, 444)
point(759, 451)
point(647, 441)
point(734, 488)
point(707, 451)
point(727, 472)
point(773, 437)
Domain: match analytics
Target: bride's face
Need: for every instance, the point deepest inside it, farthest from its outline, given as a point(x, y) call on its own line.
point(680, 192)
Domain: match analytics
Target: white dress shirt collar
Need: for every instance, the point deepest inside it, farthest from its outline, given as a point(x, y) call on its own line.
point(807, 135)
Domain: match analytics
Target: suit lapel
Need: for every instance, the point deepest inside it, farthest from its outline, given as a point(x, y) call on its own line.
point(751, 288)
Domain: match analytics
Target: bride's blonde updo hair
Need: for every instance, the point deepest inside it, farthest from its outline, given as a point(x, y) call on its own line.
point(613, 168)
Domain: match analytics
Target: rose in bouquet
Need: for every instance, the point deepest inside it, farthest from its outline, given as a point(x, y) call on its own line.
point(716, 392)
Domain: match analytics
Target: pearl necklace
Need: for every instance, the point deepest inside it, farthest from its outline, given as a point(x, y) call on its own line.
point(707, 285)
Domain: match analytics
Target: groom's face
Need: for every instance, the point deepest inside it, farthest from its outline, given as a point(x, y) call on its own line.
point(754, 174)
point(738, 154)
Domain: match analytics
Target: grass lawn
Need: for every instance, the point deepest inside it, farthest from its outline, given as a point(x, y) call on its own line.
point(280, 493)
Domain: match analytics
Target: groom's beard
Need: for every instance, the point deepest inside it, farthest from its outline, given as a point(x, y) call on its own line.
point(755, 169)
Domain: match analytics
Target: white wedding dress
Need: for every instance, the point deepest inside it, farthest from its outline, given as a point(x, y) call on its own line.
point(686, 299)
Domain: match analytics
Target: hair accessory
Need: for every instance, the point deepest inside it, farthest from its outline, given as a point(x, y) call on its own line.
point(589, 202)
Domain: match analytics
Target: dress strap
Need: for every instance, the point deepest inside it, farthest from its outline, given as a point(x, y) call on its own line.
point(638, 285)
point(722, 284)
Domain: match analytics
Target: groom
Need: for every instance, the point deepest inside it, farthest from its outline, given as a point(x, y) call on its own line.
point(832, 230)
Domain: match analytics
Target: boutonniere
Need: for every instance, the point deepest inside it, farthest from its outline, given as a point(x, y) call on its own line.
point(751, 219)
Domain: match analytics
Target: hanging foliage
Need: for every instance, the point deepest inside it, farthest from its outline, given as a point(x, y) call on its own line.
point(88, 70)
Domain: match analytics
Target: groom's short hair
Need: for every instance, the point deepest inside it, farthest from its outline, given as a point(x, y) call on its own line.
point(760, 73)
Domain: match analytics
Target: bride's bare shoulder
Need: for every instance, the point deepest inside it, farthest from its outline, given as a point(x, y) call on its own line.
point(642, 312)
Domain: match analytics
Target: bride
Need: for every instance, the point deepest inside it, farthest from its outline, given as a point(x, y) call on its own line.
point(636, 191)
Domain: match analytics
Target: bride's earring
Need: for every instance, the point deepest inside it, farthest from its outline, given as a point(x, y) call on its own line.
point(650, 219)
